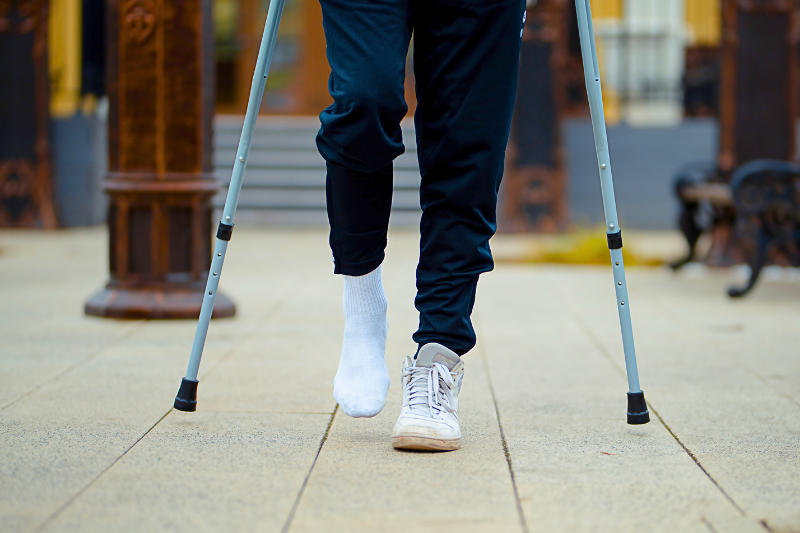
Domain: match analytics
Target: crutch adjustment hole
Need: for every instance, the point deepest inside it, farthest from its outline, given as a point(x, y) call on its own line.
point(219, 254)
point(618, 283)
point(617, 263)
point(621, 303)
point(216, 274)
point(209, 293)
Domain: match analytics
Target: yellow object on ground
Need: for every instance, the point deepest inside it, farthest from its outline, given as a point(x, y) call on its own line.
point(585, 249)
point(582, 247)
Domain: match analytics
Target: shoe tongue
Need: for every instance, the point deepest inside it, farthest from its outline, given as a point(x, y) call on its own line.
point(436, 353)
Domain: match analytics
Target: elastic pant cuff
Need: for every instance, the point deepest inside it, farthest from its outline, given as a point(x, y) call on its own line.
point(460, 350)
point(358, 269)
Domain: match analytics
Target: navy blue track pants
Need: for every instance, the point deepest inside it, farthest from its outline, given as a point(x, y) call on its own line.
point(466, 56)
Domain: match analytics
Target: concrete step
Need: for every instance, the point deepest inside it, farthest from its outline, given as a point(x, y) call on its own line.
point(280, 199)
point(291, 139)
point(299, 178)
point(266, 156)
point(285, 178)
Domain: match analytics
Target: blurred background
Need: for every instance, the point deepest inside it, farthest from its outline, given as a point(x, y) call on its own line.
point(128, 112)
point(660, 61)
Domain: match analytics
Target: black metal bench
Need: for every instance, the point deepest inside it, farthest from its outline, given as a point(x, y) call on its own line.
point(762, 204)
point(766, 196)
point(748, 200)
point(706, 203)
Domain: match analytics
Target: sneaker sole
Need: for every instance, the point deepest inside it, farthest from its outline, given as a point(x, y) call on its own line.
point(411, 442)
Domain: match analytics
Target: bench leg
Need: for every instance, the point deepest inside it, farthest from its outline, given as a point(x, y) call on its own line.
point(690, 229)
point(756, 264)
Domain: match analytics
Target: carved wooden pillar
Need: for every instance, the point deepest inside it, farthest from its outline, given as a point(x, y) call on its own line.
point(26, 192)
point(160, 180)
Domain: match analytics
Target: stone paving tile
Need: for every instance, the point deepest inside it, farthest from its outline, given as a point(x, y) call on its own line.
point(271, 371)
point(741, 378)
point(708, 365)
point(361, 484)
point(562, 408)
point(78, 394)
point(59, 437)
point(42, 305)
point(758, 333)
point(203, 472)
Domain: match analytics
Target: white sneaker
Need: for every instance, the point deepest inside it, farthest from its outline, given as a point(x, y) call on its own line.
point(429, 418)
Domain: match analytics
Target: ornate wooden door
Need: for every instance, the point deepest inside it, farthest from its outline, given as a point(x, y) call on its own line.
point(535, 180)
point(26, 197)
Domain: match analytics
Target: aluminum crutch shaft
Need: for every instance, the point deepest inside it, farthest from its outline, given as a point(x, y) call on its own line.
point(187, 394)
point(637, 408)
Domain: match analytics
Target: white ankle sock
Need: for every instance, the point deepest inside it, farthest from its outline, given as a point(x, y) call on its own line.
point(362, 381)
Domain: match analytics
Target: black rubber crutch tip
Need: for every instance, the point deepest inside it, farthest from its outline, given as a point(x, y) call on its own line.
point(637, 409)
point(186, 400)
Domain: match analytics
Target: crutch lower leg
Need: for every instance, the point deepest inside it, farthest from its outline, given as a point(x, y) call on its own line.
point(637, 408)
point(186, 399)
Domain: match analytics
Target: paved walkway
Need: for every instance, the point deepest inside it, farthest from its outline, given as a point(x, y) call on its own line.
point(88, 441)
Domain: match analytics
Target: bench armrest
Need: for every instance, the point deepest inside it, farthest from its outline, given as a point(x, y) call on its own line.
point(761, 184)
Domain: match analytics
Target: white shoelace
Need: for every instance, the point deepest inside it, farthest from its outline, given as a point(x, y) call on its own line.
point(439, 383)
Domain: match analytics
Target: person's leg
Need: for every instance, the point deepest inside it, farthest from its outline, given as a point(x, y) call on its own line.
point(466, 58)
point(466, 55)
point(367, 42)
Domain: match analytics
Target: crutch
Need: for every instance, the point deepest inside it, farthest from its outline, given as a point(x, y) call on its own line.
point(637, 408)
point(187, 394)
